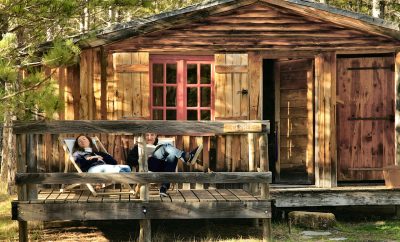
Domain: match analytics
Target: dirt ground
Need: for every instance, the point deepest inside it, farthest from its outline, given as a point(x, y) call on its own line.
point(214, 230)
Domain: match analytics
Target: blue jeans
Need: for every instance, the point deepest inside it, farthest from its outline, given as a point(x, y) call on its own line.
point(109, 169)
point(169, 154)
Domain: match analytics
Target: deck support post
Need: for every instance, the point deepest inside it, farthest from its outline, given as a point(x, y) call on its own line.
point(264, 166)
point(251, 187)
point(145, 230)
point(21, 189)
point(252, 167)
point(145, 224)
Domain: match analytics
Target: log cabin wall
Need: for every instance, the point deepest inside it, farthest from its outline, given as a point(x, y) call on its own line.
point(242, 34)
point(68, 90)
point(90, 85)
point(252, 27)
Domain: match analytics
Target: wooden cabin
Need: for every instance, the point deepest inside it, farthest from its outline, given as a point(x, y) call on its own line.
point(326, 79)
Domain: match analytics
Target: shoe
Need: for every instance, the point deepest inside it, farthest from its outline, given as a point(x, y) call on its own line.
point(194, 154)
point(163, 191)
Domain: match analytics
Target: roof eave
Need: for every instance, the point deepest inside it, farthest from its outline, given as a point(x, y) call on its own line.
point(169, 19)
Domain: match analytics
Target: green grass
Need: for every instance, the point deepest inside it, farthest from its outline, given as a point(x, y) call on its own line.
point(381, 230)
point(8, 228)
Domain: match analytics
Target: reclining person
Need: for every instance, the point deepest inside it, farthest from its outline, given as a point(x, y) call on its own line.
point(163, 159)
point(89, 159)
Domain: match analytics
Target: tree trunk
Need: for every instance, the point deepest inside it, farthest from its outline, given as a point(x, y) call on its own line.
point(111, 16)
point(8, 160)
point(382, 5)
point(378, 8)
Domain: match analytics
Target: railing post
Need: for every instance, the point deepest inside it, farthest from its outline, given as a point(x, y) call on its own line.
point(252, 166)
point(264, 166)
point(31, 165)
point(145, 224)
point(21, 189)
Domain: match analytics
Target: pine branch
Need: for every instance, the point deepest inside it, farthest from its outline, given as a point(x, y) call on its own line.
point(29, 88)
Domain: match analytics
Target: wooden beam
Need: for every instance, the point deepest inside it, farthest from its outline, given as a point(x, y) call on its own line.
point(255, 85)
point(161, 127)
point(337, 16)
point(264, 166)
point(143, 177)
point(145, 230)
point(132, 68)
point(325, 120)
point(310, 126)
point(139, 210)
point(277, 87)
point(397, 108)
point(324, 198)
point(230, 69)
point(264, 163)
point(21, 189)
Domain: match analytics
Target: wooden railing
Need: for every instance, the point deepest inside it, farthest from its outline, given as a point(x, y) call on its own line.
point(27, 176)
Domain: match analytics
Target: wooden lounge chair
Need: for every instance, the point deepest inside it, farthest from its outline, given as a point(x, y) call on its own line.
point(68, 144)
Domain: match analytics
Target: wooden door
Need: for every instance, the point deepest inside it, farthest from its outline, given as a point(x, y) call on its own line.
point(365, 108)
point(294, 103)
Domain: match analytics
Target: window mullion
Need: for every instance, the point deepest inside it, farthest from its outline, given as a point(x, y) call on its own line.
point(198, 91)
point(181, 87)
point(165, 92)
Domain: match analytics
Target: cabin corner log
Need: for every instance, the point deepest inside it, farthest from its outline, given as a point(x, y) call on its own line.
point(397, 109)
point(143, 178)
point(161, 127)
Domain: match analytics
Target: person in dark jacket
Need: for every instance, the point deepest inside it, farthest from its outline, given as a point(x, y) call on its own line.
point(89, 159)
point(163, 159)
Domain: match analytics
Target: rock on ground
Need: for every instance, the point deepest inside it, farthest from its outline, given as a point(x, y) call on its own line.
point(313, 220)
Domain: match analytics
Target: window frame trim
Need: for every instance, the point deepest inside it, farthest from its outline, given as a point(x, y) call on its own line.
point(181, 84)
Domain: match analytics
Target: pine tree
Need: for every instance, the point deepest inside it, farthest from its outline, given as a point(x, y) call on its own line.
point(25, 91)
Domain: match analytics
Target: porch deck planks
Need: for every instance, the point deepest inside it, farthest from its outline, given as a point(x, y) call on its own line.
point(242, 195)
point(175, 196)
point(62, 197)
point(52, 197)
point(124, 197)
point(200, 195)
point(74, 196)
point(225, 193)
point(189, 196)
point(204, 196)
point(42, 196)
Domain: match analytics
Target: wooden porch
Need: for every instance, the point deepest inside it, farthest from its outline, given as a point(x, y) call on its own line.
point(349, 195)
point(37, 203)
point(80, 204)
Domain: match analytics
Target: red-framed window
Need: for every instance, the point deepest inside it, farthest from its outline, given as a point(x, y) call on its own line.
point(182, 88)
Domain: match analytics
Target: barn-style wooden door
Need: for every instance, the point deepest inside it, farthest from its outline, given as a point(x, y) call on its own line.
point(365, 108)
